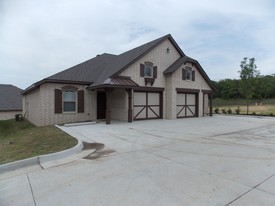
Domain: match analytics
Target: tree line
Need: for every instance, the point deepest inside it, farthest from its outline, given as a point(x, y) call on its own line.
point(232, 88)
point(251, 84)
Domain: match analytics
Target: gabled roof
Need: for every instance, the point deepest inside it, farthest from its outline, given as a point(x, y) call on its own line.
point(97, 70)
point(183, 60)
point(102, 67)
point(10, 98)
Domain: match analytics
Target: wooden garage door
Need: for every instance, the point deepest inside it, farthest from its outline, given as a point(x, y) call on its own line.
point(147, 105)
point(186, 105)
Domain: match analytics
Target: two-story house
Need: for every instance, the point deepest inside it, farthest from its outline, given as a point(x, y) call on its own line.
point(153, 81)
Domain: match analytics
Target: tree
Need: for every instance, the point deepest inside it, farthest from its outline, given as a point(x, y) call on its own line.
point(248, 75)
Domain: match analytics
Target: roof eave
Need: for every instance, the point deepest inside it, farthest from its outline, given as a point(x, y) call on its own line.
point(37, 84)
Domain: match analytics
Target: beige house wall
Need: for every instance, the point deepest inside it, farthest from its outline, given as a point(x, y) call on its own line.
point(48, 116)
point(5, 115)
point(163, 60)
point(38, 106)
point(32, 106)
point(119, 105)
point(199, 84)
point(160, 58)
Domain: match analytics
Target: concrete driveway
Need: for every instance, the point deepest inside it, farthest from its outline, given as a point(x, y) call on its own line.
point(223, 160)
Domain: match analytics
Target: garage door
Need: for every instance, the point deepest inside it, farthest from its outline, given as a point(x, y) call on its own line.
point(147, 105)
point(186, 105)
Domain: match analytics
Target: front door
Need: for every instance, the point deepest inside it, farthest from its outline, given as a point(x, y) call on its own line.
point(101, 105)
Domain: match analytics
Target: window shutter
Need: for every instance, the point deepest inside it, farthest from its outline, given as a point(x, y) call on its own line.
point(80, 101)
point(193, 75)
point(183, 74)
point(155, 72)
point(142, 70)
point(57, 101)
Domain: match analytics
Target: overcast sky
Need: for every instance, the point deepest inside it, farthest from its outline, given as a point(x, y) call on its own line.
point(41, 37)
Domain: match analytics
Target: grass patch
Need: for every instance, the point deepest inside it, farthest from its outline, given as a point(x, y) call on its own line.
point(20, 140)
point(256, 107)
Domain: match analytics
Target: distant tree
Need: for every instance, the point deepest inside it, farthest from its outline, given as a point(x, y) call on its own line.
point(248, 75)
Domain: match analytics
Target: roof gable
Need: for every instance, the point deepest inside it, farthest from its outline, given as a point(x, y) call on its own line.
point(183, 60)
point(135, 54)
point(96, 70)
point(10, 98)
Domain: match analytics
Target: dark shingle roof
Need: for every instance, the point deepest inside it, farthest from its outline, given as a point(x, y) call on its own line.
point(102, 67)
point(96, 70)
point(10, 98)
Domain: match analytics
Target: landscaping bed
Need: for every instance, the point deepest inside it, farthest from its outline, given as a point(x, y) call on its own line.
point(256, 107)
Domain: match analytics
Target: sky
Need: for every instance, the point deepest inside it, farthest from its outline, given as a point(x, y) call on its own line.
point(39, 38)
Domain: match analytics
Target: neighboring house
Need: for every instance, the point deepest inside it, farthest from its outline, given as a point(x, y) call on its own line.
point(10, 101)
point(153, 81)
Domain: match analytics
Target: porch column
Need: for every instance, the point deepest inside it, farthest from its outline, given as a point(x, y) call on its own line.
point(130, 106)
point(211, 105)
point(108, 105)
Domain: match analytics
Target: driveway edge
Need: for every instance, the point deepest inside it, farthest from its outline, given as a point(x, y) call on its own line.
point(42, 158)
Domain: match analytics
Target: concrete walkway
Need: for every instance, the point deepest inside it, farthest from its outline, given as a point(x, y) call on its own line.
point(224, 160)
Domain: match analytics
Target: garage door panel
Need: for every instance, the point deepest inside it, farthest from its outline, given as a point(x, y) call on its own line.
point(191, 111)
point(153, 98)
point(180, 99)
point(139, 98)
point(186, 105)
point(140, 112)
point(191, 99)
point(153, 112)
point(181, 111)
point(147, 105)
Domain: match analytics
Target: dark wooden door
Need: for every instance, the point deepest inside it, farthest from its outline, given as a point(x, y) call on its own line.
point(101, 105)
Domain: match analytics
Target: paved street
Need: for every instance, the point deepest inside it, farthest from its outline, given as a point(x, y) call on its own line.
point(223, 160)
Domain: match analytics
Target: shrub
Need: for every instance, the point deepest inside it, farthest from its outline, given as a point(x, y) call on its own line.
point(217, 111)
point(238, 110)
point(229, 111)
point(223, 111)
point(253, 113)
point(271, 114)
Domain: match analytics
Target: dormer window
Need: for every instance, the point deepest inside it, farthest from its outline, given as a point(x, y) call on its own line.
point(188, 74)
point(148, 71)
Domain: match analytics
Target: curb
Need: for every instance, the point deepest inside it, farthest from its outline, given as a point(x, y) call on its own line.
point(41, 159)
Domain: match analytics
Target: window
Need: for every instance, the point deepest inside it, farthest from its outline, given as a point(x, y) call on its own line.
point(69, 101)
point(148, 71)
point(188, 74)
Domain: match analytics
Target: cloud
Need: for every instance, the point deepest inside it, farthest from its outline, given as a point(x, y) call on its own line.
point(40, 38)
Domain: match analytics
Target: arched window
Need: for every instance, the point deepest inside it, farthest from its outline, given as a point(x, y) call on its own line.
point(69, 101)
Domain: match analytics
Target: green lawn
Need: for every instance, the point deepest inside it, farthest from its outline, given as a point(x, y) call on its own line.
point(259, 107)
point(20, 140)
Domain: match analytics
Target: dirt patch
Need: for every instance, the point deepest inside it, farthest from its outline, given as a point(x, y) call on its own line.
point(96, 146)
point(99, 154)
point(100, 150)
